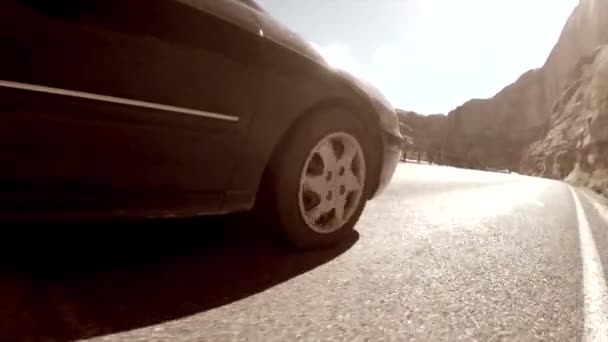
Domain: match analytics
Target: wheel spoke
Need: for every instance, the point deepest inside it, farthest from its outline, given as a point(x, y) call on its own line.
point(327, 153)
point(315, 213)
point(316, 184)
point(339, 206)
point(350, 151)
point(351, 182)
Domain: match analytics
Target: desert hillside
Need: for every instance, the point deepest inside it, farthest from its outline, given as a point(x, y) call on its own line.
point(576, 144)
point(498, 132)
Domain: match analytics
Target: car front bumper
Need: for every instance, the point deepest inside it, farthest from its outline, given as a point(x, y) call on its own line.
point(391, 153)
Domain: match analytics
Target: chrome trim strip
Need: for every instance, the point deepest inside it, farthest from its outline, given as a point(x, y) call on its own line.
point(112, 99)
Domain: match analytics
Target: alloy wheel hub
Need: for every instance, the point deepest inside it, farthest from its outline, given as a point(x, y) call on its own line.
point(332, 182)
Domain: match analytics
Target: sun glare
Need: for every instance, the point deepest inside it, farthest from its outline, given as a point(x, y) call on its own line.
point(337, 56)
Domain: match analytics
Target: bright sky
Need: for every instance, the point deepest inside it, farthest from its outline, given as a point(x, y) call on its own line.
point(430, 56)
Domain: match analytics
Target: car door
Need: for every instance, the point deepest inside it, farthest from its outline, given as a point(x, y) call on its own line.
point(131, 95)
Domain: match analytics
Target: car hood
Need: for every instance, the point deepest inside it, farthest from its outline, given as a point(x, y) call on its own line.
point(275, 30)
point(387, 115)
point(278, 32)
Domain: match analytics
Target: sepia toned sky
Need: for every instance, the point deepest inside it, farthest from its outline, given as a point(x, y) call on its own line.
point(429, 56)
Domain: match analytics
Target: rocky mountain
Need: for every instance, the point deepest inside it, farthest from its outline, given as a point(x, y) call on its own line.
point(497, 132)
point(576, 145)
point(493, 132)
point(422, 131)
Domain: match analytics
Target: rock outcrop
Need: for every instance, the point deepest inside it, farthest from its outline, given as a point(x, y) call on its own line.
point(495, 132)
point(575, 146)
point(424, 129)
point(424, 132)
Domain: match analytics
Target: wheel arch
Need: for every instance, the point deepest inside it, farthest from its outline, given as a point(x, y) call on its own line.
point(363, 111)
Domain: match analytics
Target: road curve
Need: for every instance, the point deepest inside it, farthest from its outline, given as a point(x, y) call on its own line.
point(442, 254)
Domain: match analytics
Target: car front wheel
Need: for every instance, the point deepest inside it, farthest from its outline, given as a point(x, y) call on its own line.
point(319, 181)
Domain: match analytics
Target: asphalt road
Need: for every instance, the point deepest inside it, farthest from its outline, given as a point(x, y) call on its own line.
point(442, 254)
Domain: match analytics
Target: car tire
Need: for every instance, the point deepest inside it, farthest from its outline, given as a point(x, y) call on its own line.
point(318, 182)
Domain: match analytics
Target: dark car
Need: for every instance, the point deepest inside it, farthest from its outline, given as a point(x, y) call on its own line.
point(156, 108)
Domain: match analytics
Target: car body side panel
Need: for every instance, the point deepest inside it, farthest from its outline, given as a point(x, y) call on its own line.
point(156, 51)
point(136, 159)
point(391, 153)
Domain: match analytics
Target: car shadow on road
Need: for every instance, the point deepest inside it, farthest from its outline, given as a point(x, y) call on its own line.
point(61, 283)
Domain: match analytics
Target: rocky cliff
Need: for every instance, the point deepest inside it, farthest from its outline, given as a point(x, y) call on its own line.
point(495, 132)
point(575, 146)
point(423, 131)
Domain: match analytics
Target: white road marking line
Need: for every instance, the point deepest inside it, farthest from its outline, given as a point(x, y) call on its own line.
point(594, 284)
point(597, 202)
point(113, 99)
